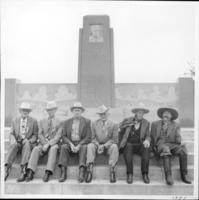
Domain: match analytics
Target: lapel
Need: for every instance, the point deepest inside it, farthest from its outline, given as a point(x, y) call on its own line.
point(69, 127)
point(28, 125)
point(81, 125)
point(143, 126)
point(170, 128)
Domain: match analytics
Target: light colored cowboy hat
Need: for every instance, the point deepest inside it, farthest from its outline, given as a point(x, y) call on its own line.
point(25, 106)
point(77, 105)
point(51, 105)
point(102, 109)
point(173, 112)
point(140, 108)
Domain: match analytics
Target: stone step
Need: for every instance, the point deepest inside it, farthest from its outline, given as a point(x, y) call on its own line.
point(102, 172)
point(98, 187)
point(103, 160)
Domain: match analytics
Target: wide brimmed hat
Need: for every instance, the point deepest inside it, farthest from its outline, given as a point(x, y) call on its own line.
point(102, 109)
point(140, 108)
point(25, 106)
point(173, 112)
point(77, 105)
point(51, 105)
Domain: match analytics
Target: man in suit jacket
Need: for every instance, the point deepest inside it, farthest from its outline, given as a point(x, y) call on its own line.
point(49, 137)
point(134, 137)
point(75, 137)
point(25, 131)
point(166, 140)
point(104, 139)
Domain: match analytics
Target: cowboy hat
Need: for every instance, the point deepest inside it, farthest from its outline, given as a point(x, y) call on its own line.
point(173, 112)
point(25, 106)
point(51, 105)
point(102, 109)
point(140, 108)
point(77, 105)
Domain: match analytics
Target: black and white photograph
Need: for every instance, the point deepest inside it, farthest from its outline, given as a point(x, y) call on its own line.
point(99, 99)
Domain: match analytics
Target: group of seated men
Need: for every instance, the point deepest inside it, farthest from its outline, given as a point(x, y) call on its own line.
point(78, 135)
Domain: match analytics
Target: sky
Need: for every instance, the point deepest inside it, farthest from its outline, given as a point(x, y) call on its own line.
point(153, 41)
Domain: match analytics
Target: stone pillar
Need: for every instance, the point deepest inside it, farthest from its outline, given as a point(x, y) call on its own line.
point(186, 102)
point(96, 62)
point(10, 100)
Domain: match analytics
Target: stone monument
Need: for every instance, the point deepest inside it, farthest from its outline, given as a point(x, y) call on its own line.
point(96, 62)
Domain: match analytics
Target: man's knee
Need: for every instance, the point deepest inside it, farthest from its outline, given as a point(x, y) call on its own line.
point(91, 147)
point(65, 147)
point(53, 148)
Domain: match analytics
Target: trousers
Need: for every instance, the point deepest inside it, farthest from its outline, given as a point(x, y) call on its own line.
point(112, 151)
point(129, 150)
point(37, 153)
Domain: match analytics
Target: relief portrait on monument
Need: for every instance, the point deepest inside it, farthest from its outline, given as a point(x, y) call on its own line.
point(96, 33)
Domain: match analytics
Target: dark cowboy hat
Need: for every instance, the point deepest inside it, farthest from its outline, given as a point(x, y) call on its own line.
point(173, 112)
point(77, 105)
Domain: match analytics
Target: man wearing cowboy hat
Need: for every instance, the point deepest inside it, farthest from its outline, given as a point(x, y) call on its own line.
point(166, 140)
point(75, 137)
point(25, 131)
point(134, 137)
point(49, 136)
point(104, 139)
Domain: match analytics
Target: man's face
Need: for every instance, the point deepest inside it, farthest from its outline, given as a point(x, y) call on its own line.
point(103, 116)
point(51, 112)
point(139, 115)
point(166, 116)
point(77, 112)
point(24, 113)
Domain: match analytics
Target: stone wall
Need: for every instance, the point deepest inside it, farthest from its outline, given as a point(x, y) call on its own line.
point(128, 95)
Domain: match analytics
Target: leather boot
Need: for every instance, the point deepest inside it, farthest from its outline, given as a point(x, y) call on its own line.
point(112, 175)
point(23, 174)
point(183, 168)
point(89, 173)
point(30, 175)
point(46, 176)
point(129, 178)
point(81, 174)
point(63, 174)
point(145, 178)
point(7, 171)
point(167, 170)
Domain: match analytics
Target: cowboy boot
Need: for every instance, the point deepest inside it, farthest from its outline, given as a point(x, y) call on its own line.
point(183, 168)
point(30, 175)
point(7, 171)
point(129, 178)
point(112, 175)
point(46, 176)
point(145, 178)
point(23, 175)
point(63, 176)
point(81, 174)
point(167, 170)
point(89, 174)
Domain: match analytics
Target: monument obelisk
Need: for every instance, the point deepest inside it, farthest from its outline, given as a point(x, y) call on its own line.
point(96, 62)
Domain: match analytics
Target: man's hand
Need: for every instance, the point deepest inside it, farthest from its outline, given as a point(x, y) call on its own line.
point(76, 148)
point(72, 147)
point(146, 143)
point(100, 149)
point(45, 147)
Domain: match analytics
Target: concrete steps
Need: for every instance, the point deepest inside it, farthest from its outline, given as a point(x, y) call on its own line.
point(102, 172)
point(98, 187)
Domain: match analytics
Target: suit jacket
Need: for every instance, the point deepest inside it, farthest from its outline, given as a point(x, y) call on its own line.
point(32, 129)
point(84, 131)
point(112, 135)
point(173, 132)
point(54, 136)
point(125, 128)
